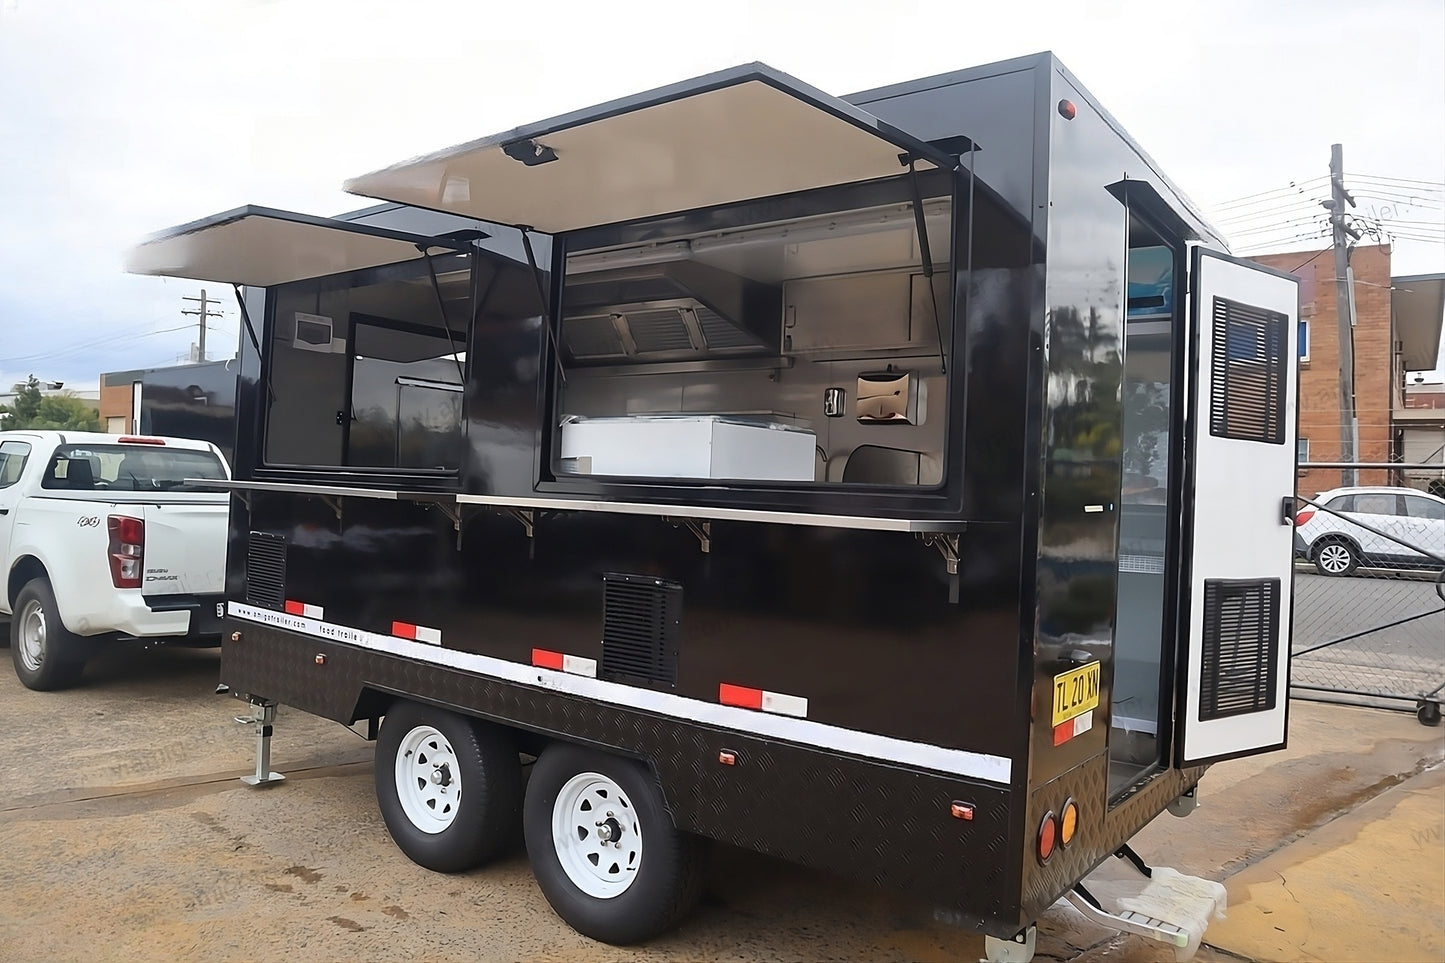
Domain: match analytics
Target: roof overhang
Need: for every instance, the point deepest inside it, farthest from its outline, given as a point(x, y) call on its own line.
point(260, 246)
point(744, 133)
point(1417, 308)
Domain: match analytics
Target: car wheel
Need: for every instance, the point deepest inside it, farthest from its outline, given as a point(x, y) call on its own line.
point(604, 849)
point(45, 653)
point(1336, 557)
point(449, 787)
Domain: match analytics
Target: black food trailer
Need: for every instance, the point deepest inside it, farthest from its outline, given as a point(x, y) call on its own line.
point(897, 484)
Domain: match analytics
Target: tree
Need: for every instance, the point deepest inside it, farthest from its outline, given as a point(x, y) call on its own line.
point(31, 409)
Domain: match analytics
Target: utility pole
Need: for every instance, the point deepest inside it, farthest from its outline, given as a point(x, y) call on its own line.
point(202, 313)
point(1345, 310)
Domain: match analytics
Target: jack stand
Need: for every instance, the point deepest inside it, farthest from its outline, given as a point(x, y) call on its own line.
point(262, 719)
point(1020, 949)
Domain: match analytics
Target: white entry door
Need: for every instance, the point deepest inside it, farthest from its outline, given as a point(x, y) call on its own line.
point(1235, 682)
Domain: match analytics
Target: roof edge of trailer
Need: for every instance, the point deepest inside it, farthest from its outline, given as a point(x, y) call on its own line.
point(1211, 232)
point(1045, 59)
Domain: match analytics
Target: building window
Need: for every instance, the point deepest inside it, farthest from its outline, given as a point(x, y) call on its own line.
point(1304, 340)
point(1301, 450)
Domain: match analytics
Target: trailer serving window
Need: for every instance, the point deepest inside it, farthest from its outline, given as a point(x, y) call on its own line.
point(802, 350)
point(364, 374)
point(756, 284)
point(364, 341)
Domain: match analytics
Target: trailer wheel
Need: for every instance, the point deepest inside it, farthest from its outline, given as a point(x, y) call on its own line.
point(43, 649)
point(603, 848)
point(449, 787)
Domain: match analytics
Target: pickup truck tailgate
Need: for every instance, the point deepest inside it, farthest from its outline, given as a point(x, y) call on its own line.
point(185, 546)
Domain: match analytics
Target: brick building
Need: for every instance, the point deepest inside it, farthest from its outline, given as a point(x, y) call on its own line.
point(1377, 371)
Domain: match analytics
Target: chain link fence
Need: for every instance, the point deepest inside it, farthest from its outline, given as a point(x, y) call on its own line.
point(1369, 599)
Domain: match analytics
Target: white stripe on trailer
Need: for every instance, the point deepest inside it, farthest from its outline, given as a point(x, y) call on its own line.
point(975, 765)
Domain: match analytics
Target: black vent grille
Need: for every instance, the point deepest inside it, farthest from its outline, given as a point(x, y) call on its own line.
point(1250, 348)
point(641, 623)
point(1241, 647)
point(266, 571)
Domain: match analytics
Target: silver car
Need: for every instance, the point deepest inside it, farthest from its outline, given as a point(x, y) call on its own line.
point(1376, 527)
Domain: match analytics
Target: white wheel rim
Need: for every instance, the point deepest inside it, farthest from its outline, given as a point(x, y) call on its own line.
point(428, 779)
point(1334, 558)
point(597, 835)
point(32, 635)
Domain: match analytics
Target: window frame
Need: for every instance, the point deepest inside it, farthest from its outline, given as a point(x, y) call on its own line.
point(266, 468)
point(24, 460)
point(827, 496)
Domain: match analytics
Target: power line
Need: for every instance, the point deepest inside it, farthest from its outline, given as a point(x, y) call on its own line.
point(80, 348)
point(1402, 180)
point(1296, 187)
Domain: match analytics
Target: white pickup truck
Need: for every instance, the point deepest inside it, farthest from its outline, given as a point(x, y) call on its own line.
point(106, 538)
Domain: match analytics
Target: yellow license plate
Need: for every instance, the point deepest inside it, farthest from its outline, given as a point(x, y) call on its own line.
point(1075, 692)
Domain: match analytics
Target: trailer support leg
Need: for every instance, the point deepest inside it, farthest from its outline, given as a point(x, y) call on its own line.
point(1126, 852)
point(263, 720)
point(1020, 949)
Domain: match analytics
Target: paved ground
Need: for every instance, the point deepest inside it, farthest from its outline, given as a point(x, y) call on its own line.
point(125, 836)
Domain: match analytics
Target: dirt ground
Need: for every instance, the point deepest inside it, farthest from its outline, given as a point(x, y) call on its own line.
point(125, 835)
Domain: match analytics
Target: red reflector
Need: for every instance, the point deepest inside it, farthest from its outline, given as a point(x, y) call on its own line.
point(1303, 517)
point(295, 608)
point(742, 696)
point(1067, 110)
point(1048, 837)
point(403, 630)
point(140, 440)
point(727, 757)
point(961, 810)
point(1063, 733)
point(547, 660)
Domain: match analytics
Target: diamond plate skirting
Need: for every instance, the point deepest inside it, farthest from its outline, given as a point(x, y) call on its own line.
point(1101, 831)
point(869, 820)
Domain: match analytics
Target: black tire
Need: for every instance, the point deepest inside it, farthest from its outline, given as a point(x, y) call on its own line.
point(669, 874)
point(488, 775)
point(47, 655)
point(1336, 557)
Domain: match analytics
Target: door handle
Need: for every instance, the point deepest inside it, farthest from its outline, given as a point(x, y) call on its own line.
point(4, 511)
point(1286, 510)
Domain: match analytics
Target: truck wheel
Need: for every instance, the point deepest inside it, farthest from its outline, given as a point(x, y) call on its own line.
point(603, 848)
point(449, 787)
point(43, 650)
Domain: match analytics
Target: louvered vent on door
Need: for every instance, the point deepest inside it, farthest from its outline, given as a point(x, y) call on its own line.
point(1249, 351)
point(641, 623)
point(266, 570)
point(1241, 647)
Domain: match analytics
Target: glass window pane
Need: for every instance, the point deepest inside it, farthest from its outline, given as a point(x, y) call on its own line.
point(1418, 506)
point(1375, 503)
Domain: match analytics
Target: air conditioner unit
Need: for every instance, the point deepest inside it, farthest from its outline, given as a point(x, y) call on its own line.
point(313, 333)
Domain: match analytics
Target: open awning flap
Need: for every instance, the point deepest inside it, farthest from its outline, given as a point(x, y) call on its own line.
point(1418, 303)
point(260, 246)
point(742, 133)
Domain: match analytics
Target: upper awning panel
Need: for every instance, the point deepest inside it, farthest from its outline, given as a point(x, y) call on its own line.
point(258, 246)
point(743, 133)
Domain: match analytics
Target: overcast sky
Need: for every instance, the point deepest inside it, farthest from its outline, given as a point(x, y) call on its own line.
point(121, 118)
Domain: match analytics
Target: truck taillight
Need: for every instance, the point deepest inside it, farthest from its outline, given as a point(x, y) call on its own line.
point(127, 550)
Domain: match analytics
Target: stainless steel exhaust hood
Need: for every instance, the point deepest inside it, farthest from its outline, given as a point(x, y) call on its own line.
point(675, 310)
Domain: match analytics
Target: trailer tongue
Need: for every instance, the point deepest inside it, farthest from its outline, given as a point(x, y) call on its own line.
point(856, 481)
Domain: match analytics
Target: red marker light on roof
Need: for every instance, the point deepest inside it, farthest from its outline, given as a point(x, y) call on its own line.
point(139, 440)
point(1067, 110)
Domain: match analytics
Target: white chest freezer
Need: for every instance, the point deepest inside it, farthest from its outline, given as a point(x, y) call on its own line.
point(688, 446)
